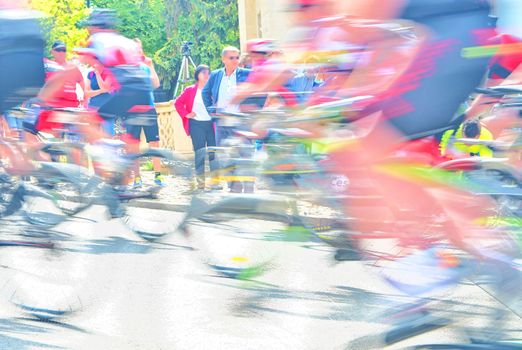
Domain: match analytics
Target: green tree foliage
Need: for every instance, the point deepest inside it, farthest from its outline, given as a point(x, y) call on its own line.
point(162, 26)
point(60, 23)
point(210, 24)
point(144, 19)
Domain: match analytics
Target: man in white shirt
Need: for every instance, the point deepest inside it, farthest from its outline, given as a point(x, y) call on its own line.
point(222, 86)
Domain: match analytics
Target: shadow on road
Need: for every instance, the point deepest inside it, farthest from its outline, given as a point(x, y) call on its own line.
point(9, 328)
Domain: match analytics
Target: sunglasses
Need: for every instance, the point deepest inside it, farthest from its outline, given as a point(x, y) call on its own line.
point(233, 58)
point(60, 49)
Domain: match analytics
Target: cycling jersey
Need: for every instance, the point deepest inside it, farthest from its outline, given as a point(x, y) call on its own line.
point(67, 96)
point(505, 61)
point(113, 49)
point(426, 98)
point(129, 84)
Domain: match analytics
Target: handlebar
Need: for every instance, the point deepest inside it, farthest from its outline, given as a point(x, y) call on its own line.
point(501, 90)
point(493, 145)
point(330, 110)
point(322, 112)
point(221, 114)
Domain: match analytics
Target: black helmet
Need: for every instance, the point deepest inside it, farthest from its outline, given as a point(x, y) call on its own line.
point(100, 18)
point(471, 128)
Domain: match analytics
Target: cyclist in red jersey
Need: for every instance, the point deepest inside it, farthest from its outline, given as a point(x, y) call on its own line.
point(418, 82)
point(67, 95)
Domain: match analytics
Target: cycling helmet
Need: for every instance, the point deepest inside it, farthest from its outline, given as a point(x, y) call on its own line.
point(101, 18)
point(261, 46)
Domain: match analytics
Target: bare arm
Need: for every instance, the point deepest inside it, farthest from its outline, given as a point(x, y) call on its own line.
point(104, 86)
point(56, 83)
point(154, 77)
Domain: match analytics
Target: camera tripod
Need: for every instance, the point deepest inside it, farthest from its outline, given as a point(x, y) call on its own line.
point(184, 72)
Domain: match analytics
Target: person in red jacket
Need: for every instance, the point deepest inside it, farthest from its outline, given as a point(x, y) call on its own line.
point(198, 124)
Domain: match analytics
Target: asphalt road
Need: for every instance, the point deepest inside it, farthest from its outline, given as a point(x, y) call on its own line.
point(121, 292)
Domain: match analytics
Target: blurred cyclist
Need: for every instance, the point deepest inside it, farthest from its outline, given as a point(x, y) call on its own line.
point(122, 58)
point(21, 54)
point(128, 82)
point(418, 82)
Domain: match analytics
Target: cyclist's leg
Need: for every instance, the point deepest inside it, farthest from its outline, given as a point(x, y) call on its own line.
point(152, 137)
point(132, 138)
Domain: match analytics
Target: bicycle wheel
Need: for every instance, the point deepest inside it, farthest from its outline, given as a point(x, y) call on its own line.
point(10, 196)
point(40, 273)
point(150, 225)
point(70, 187)
point(236, 235)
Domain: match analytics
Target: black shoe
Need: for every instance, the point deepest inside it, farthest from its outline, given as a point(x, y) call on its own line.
point(424, 324)
point(347, 255)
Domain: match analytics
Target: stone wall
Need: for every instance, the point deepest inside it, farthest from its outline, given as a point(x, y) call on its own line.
point(172, 135)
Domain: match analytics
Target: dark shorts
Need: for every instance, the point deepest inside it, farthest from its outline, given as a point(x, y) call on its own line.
point(134, 92)
point(151, 131)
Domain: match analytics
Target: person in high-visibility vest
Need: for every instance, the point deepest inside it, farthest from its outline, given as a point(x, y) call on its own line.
point(471, 129)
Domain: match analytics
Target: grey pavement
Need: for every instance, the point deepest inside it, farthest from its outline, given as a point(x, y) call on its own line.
point(122, 292)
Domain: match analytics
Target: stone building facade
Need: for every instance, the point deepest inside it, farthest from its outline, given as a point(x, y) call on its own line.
point(263, 19)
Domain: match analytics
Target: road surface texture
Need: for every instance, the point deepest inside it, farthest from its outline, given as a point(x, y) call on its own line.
point(121, 292)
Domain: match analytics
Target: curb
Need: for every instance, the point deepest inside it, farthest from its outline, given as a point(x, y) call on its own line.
point(271, 213)
point(155, 205)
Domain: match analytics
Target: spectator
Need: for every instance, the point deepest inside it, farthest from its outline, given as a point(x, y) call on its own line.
point(471, 129)
point(245, 61)
point(97, 93)
point(305, 83)
point(221, 88)
point(198, 124)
